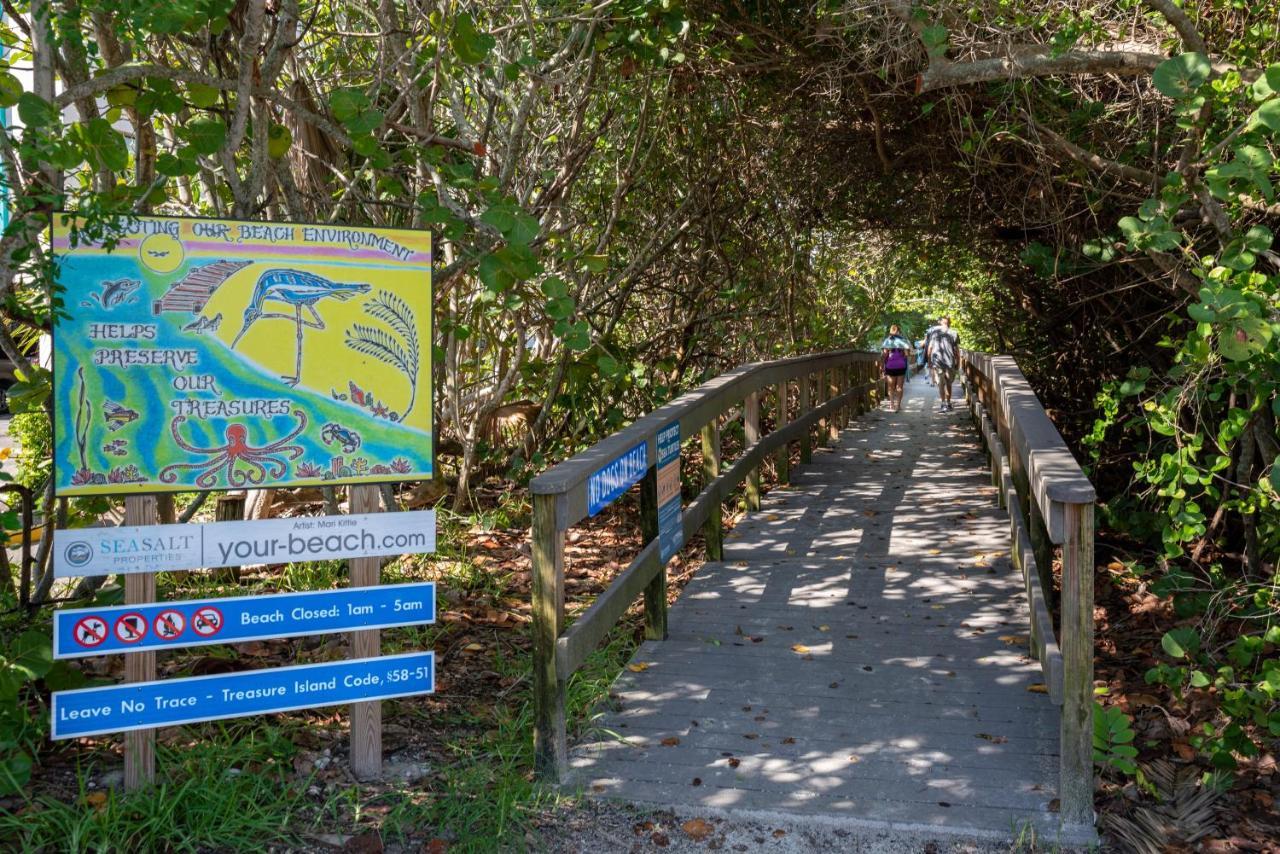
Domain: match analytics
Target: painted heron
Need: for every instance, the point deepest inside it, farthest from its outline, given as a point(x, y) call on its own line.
point(300, 290)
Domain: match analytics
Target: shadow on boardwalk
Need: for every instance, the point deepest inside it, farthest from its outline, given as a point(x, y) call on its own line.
point(859, 655)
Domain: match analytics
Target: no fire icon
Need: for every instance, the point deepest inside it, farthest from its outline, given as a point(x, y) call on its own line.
point(169, 624)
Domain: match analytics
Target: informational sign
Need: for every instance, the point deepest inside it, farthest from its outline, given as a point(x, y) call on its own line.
point(169, 702)
point(670, 515)
point(160, 548)
point(606, 485)
point(79, 632)
point(217, 354)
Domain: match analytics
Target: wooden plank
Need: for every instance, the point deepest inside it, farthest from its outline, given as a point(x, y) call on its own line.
point(1076, 784)
point(751, 433)
point(366, 718)
point(140, 589)
point(833, 391)
point(550, 745)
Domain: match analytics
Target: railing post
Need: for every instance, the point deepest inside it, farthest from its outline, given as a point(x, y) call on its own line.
point(140, 589)
point(751, 432)
point(806, 436)
point(819, 398)
point(711, 529)
point(846, 383)
point(1075, 788)
point(655, 593)
point(833, 391)
point(784, 418)
point(860, 375)
point(550, 747)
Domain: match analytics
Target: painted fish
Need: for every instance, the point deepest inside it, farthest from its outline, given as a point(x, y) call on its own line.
point(116, 292)
point(116, 415)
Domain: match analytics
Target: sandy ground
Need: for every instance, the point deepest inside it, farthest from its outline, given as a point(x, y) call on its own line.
point(592, 826)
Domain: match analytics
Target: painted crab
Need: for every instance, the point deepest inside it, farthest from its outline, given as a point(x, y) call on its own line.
point(336, 433)
point(260, 461)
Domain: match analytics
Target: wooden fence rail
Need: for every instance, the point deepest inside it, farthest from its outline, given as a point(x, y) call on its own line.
point(1050, 503)
point(845, 380)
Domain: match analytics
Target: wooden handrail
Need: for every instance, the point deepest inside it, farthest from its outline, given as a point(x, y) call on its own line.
point(1050, 501)
point(560, 500)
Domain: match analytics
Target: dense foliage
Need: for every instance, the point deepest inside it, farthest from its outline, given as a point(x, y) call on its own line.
point(632, 194)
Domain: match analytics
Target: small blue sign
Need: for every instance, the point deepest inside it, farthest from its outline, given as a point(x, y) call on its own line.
point(169, 702)
point(131, 628)
point(604, 487)
point(670, 515)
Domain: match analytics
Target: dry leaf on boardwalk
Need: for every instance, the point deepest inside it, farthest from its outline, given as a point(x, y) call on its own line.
point(698, 829)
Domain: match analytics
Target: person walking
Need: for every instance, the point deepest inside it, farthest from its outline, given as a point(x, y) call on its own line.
point(943, 352)
point(894, 350)
point(920, 360)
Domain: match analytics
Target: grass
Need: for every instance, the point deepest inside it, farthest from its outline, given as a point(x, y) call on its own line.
point(203, 804)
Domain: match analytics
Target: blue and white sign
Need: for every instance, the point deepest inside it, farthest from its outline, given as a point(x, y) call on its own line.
point(160, 548)
point(670, 510)
point(131, 628)
point(606, 485)
point(169, 702)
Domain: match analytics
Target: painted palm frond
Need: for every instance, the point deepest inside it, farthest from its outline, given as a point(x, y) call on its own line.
point(382, 345)
point(397, 345)
point(395, 312)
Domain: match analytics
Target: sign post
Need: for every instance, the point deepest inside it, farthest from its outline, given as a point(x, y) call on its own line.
point(366, 717)
point(139, 589)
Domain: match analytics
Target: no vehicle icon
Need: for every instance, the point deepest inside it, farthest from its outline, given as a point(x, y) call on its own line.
point(169, 624)
point(207, 621)
point(131, 628)
point(90, 631)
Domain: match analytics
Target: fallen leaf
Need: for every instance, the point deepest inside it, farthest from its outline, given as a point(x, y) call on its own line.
point(779, 833)
point(937, 607)
point(734, 762)
point(788, 740)
point(698, 829)
point(638, 666)
point(473, 647)
point(670, 741)
point(1185, 751)
point(697, 781)
point(799, 648)
point(660, 839)
point(870, 513)
point(935, 551)
point(1054, 805)
point(435, 846)
point(994, 739)
point(1014, 640)
point(855, 759)
point(96, 799)
point(772, 517)
point(824, 628)
point(1038, 688)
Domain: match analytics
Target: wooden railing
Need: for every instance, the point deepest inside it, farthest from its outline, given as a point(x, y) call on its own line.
point(846, 381)
point(1050, 503)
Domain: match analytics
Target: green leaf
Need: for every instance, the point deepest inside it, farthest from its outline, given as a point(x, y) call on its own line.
point(206, 136)
point(596, 263)
point(347, 103)
point(35, 111)
point(554, 287)
point(1274, 477)
point(105, 146)
point(202, 96)
point(1239, 339)
point(560, 308)
point(1180, 643)
point(935, 38)
point(32, 652)
point(10, 89)
point(469, 44)
point(1199, 680)
point(512, 223)
point(63, 677)
point(29, 393)
point(1268, 115)
point(15, 772)
point(1179, 77)
point(279, 138)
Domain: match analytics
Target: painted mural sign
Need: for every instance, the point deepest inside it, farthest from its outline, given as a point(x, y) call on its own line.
point(218, 354)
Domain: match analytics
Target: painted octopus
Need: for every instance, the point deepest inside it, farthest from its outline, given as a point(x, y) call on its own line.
point(261, 461)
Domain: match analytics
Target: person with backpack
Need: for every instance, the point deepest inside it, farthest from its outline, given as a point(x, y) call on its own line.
point(920, 360)
point(894, 350)
point(943, 351)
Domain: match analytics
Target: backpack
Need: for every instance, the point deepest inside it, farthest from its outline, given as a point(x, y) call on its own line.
point(896, 360)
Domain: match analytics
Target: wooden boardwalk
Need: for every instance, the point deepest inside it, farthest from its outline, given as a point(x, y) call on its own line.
point(860, 653)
